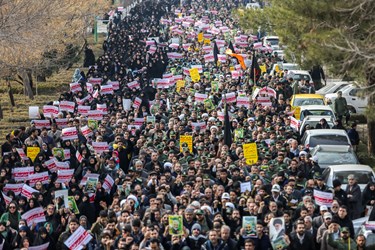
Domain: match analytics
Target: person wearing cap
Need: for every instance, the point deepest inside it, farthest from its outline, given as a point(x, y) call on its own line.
point(277, 196)
point(315, 169)
point(203, 221)
point(339, 193)
point(195, 239)
point(189, 218)
point(327, 219)
point(335, 227)
point(318, 220)
point(344, 242)
point(320, 185)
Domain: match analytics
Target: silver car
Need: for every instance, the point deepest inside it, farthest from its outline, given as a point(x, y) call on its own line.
point(334, 155)
point(363, 173)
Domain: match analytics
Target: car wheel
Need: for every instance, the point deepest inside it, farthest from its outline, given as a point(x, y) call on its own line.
point(352, 109)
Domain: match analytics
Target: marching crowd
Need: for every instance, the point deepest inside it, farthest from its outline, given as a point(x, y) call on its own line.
point(156, 130)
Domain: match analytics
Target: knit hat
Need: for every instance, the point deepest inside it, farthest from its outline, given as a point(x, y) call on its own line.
point(336, 183)
point(196, 226)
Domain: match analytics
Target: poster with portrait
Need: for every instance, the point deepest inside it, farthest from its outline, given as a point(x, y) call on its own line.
point(249, 224)
point(175, 225)
point(277, 233)
point(91, 185)
point(72, 205)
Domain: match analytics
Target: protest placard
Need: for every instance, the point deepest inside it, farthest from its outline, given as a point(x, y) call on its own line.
point(78, 239)
point(34, 215)
point(32, 152)
point(186, 139)
point(323, 198)
point(175, 225)
point(249, 224)
point(250, 152)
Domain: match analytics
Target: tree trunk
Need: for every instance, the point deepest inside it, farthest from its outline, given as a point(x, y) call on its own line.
point(370, 77)
point(371, 135)
point(1, 112)
point(27, 84)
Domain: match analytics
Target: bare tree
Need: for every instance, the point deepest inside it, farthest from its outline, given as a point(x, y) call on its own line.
point(31, 28)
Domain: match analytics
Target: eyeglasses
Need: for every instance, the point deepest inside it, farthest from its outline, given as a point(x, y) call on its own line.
point(12, 207)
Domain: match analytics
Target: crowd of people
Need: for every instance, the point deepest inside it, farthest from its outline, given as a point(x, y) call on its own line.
point(151, 156)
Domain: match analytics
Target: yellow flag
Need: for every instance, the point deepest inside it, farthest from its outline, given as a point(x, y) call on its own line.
point(207, 41)
point(263, 68)
point(180, 84)
point(194, 74)
point(277, 69)
point(200, 37)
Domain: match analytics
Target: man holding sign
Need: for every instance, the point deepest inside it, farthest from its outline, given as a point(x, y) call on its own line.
point(73, 226)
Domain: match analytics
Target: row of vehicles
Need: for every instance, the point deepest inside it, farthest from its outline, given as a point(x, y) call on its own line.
point(332, 147)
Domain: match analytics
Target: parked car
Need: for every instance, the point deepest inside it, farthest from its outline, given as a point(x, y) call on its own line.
point(283, 66)
point(306, 99)
point(363, 173)
point(332, 87)
point(299, 75)
point(312, 121)
point(356, 104)
point(329, 155)
point(253, 6)
point(272, 41)
point(315, 137)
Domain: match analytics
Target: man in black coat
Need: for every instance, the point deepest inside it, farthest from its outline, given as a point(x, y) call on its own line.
point(343, 219)
point(354, 198)
point(300, 239)
point(339, 193)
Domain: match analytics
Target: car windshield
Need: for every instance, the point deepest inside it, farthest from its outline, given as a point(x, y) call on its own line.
point(332, 88)
point(336, 158)
point(363, 177)
point(273, 42)
point(316, 112)
point(328, 140)
point(299, 77)
point(290, 66)
point(308, 101)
